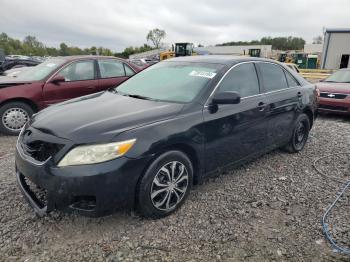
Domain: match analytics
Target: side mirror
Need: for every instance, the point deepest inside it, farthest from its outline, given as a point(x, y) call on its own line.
point(227, 97)
point(58, 79)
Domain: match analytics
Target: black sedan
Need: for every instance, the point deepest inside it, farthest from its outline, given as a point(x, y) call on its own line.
point(17, 63)
point(145, 143)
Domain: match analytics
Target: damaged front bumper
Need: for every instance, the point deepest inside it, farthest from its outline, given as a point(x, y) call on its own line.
point(91, 190)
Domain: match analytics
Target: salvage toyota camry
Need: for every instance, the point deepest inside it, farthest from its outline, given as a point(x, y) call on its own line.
point(144, 144)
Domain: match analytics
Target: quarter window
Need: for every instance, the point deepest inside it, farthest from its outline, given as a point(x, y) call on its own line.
point(128, 70)
point(241, 79)
point(78, 71)
point(273, 77)
point(291, 80)
point(111, 68)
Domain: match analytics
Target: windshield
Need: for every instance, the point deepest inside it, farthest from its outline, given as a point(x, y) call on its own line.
point(40, 71)
point(341, 76)
point(170, 81)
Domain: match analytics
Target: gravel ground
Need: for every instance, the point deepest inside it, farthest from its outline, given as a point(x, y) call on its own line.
point(267, 210)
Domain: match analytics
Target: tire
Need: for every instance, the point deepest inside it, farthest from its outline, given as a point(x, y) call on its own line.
point(300, 134)
point(156, 186)
point(13, 116)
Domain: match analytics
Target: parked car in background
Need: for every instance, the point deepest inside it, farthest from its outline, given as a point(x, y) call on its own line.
point(15, 71)
point(145, 143)
point(293, 67)
point(11, 63)
point(143, 63)
point(335, 93)
point(54, 81)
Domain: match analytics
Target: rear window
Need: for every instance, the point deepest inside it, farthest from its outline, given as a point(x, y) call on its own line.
point(273, 77)
point(111, 68)
point(241, 79)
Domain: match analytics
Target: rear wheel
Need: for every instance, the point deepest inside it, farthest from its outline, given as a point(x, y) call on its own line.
point(14, 115)
point(300, 134)
point(165, 185)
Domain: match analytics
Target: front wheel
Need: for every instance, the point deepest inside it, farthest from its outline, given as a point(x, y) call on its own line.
point(14, 115)
point(165, 185)
point(300, 134)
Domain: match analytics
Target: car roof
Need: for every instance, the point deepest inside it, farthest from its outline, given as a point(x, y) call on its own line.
point(218, 59)
point(78, 57)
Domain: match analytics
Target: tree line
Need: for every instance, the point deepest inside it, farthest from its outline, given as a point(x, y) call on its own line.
point(31, 46)
point(278, 43)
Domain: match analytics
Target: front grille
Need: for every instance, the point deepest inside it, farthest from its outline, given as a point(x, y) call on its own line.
point(333, 96)
point(41, 150)
point(35, 145)
point(338, 108)
point(38, 194)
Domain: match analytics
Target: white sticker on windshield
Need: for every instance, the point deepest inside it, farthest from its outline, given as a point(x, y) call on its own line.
point(202, 74)
point(51, 65)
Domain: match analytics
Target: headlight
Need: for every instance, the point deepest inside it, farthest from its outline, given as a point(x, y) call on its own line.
point(91, 154)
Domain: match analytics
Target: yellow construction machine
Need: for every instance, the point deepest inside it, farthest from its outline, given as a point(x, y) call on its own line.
point(180, 49)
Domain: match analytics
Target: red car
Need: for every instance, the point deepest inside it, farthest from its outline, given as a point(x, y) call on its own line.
point(335, 93)
point(54, 81)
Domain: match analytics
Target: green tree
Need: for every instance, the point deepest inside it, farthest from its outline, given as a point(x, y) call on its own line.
point(155, 36)
point(63, 49)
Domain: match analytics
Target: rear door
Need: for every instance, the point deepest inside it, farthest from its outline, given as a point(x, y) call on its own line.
point(283, 94)
point(234, 132)
point(80, 79)
point(112, 72)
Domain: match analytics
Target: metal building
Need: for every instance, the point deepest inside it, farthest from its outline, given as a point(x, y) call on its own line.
point(248, 50)
point(336, 48)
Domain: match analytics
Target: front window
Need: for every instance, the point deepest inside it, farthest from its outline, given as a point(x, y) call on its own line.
point(78, 71)
point(41, 71)
point(178, 82)
point(341, 76)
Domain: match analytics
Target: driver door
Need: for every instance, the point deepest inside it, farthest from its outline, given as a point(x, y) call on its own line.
point(80, 80)
point(236, 131)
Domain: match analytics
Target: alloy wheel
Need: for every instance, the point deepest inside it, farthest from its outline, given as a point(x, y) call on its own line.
point(300, 134)
point(169, 186)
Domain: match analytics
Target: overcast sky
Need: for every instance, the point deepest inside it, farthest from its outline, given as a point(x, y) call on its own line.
point(118, 24)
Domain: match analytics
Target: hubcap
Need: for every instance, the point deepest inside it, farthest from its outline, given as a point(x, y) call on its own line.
point(14, 118)
point(169, 186)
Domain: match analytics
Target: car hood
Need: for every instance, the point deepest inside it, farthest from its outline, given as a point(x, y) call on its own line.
point(100, 117)
point(330, 87)
point(7, 81)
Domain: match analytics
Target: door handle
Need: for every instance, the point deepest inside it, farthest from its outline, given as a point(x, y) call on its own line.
point(299, 94)
point(261, 106)
point(90, 87)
